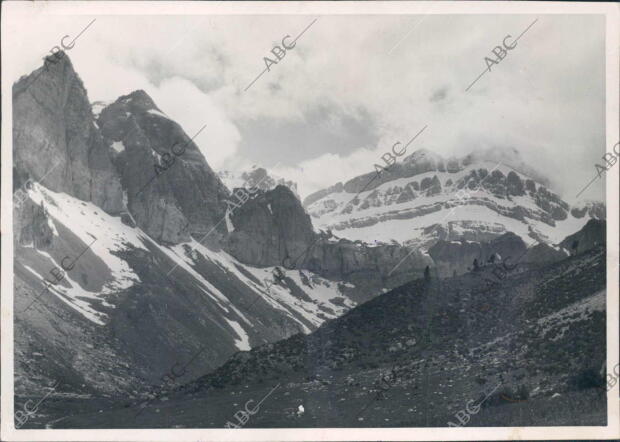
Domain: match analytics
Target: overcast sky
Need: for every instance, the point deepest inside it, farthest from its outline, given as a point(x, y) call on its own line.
point(352, 86)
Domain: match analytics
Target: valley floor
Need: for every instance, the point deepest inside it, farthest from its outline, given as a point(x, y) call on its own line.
point(341, 407)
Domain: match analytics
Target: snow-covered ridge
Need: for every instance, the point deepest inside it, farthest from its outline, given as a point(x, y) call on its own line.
point(322, 299)
point(491, 197)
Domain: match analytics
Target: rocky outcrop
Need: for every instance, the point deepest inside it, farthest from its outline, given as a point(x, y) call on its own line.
point(56, 140)
point(256, 178)
point(171, 191)
point(593, 209)
point(272, 229)
point(32, 226)
point(457, 257)
point(543, 253)
point(590, 236)
point(344, 259)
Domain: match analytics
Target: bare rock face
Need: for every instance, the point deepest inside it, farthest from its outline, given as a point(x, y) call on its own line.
point(269, 228)
point(590, 236)
point(170, 189)
point(346, 259)
point(543, 253)
point(594, 209)
point(255, 177)
point(55, 138)
point(458, 256)
point(31, 226)
point(272, 229)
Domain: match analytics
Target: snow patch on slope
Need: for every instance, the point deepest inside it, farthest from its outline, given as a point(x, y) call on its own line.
point(156, 112)
point(377, 214)
point(118, 146)
point(243, 343)
point(87, 221)
point(75, 296)
point(321, 294)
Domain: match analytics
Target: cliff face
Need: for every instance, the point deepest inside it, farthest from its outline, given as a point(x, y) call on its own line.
point(589, 237)
point(273, 229)
point(130, 194)
point(459, 256)
point(171, 191)
point(270, 227)
point(129, 197)
point(56, 140)
point(256, 177)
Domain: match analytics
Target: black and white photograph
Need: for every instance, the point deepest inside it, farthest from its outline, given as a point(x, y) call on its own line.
point(310, 221)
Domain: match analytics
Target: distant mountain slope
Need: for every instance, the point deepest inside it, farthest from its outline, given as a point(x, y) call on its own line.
point(120, 293)
point(534, 342)
point(425, 198)
point(111, 282)
point(448, 320)
point(163, 272)
point(257, 177)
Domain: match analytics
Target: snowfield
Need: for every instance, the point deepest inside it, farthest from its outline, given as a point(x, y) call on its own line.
point(386, 220)
point(108, 235)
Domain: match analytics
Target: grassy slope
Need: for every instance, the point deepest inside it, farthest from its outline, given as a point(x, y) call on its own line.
point(442, 343)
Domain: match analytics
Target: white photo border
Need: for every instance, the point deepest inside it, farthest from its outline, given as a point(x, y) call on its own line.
point(13, 11)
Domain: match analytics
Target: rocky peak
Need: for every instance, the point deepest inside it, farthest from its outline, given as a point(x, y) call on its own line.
point(272, 229)
point(256, 177)
point(171, 190)
point(137, 101)
point(590, 236)
point(594, 209)
point(55, 138)
point(269, 227)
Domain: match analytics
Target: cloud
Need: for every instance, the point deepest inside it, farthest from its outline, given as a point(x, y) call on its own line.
point(185, 103)
point(398, 72)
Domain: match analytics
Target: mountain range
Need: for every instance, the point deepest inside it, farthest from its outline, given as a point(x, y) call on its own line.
point(175, 264)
